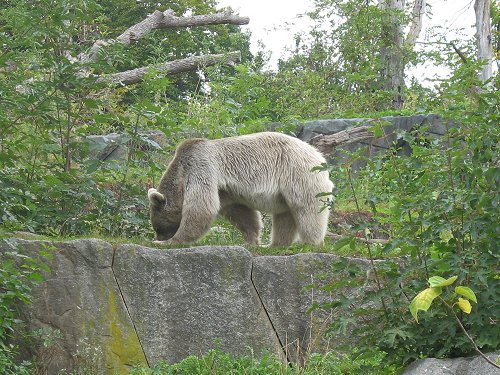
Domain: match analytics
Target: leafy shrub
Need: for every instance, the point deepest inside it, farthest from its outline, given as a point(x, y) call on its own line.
point(18, 273)
point(441, 205)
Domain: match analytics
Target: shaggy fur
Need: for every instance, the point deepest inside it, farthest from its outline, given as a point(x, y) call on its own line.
point(238, 177)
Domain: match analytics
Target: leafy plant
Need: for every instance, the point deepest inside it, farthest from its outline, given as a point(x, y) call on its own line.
point(218, 362)
point(439, 205)
point(18, 273)
point(424, 299)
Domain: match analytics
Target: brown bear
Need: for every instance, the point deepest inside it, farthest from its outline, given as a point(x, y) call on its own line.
point(238, 177)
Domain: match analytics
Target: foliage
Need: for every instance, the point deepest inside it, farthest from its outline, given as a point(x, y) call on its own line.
point(440, 204)
point(219, 362)
point(18, 273)
point(423, 300)
point(51, 180)
point(336, 68)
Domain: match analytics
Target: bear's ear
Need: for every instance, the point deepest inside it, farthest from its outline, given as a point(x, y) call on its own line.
point(156, 199)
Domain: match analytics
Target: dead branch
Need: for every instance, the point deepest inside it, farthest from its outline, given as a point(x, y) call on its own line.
point(162, 20)
point(459, 53)
point(172, 67)
point(325, 143)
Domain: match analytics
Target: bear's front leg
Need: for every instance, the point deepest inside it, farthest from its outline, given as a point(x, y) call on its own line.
point(195, 223)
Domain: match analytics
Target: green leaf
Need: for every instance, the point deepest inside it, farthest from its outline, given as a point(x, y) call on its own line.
point(344, 241)
point(423, 300)
point(466, 292)
point(438, 281)
point(464, 305)
point(35, 276)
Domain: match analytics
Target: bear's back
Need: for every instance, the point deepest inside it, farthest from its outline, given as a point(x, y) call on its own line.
point(267, 162)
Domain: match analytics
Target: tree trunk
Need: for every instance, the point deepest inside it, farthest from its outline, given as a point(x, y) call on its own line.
point(416, 24)
point(484, 37)
point(391, 54)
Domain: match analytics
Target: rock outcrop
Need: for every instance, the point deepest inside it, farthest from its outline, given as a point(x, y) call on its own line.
point(393, 130)
point(142, 305)
point(456, 366)
point(122, 305)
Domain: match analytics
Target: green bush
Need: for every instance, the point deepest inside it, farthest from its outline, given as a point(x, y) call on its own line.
point(18, 273)
point(441, 207)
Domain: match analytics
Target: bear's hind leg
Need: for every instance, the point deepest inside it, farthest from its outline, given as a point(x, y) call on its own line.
point(247, 220)
point(284, 230)
point(312, 225)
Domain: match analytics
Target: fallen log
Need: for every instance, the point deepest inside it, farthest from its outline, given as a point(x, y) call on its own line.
point(325, 143)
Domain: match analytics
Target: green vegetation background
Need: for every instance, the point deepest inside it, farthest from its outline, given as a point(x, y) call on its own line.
point(438, 207)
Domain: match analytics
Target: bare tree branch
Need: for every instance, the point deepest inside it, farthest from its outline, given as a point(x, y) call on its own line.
point(459, 53)
point(162, 20)
point(172, 67)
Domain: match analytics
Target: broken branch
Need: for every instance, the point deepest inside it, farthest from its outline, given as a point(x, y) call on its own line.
point(172, 67)
point(162, 20)
point(325, 143)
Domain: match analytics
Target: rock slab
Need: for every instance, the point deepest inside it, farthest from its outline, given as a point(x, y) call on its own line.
point(288, 286)
point(456, 366)
point(188, 301)
point(80, 298)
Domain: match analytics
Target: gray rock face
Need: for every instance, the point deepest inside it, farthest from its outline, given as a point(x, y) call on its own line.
point(457, 366)
point(188, 301)
point(436, 125)
point(310, 129)
point(394, 126)
point(284, 286)
point(80, 297)
point(119, 306)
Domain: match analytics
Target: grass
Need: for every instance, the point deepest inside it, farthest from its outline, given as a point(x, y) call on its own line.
point(224, 234)
point(217, 362)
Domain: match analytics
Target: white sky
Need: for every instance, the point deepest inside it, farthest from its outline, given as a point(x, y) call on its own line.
point(274, 22)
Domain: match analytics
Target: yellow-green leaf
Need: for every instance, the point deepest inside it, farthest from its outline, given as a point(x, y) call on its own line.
point(464, 305)
point(466, 292)
point(423, 300)
point(438, 281)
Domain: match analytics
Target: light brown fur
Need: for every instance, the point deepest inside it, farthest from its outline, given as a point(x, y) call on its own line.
point(238, 177)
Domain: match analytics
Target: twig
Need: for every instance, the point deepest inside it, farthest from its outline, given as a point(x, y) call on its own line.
point(467, 334)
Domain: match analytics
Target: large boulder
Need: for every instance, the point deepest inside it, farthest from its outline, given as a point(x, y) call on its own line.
point(80, 297)
point(434, 124)
point(394, 127)
point(456, 366)
point(188, 301)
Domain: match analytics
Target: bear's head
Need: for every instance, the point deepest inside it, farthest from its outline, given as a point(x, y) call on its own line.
point(164, 218)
